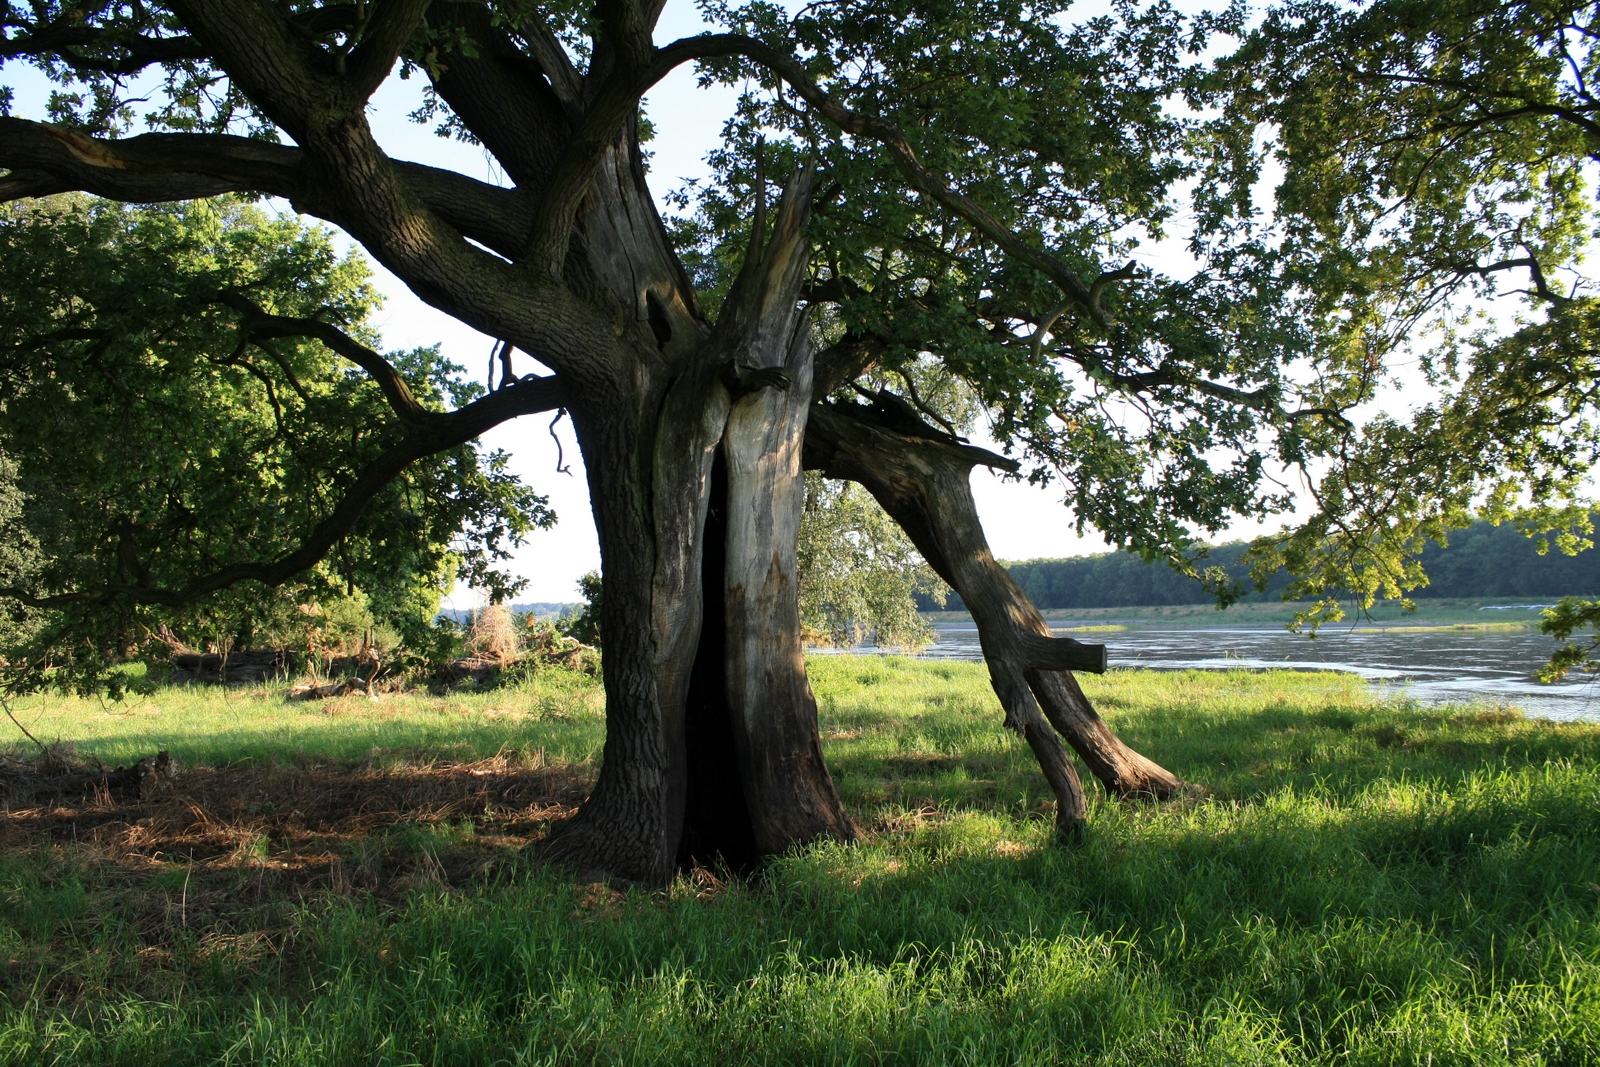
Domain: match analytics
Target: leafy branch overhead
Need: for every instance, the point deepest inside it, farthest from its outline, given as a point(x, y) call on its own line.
point(1042, 158)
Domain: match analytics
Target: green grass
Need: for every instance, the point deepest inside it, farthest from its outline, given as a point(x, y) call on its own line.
point(1363, 883)
point(559, 712)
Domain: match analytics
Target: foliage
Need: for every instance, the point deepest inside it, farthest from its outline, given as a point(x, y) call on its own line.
point(1087, 180)
point(1425, 235)
point(156, 437)
point(1367, 882)
point(583, 624)
point(1432, 213)
point(19, 553)
point(1432, 159)
point(1561, 622)
point(859, 574)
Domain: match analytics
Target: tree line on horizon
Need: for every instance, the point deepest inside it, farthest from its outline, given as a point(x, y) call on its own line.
point(1482, 560)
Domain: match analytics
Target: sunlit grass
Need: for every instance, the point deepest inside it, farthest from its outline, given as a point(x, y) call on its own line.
point(557, 712)
point(1361, 882)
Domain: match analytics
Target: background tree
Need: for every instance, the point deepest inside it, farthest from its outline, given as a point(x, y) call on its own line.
point(859, 574)
point(168, 422)
point(971, 184)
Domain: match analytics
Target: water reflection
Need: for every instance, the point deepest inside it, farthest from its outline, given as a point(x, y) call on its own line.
point(1436, 665)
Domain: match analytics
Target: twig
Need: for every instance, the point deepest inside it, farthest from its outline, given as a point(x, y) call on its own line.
point(19, 725)
point(561, 466)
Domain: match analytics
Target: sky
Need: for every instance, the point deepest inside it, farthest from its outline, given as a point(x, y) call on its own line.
point(1022, 521)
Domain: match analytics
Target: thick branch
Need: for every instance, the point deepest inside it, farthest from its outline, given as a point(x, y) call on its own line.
point(501, 91)
point(259, 324)
point(924, 484)
point(282, 71)
point(149, 168)
point(158, 167)
point(67, 38)
point(1062, 654)
point(388, 28)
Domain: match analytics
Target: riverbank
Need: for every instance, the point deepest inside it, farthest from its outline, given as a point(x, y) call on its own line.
point(1361, 881)
point(1479, 613)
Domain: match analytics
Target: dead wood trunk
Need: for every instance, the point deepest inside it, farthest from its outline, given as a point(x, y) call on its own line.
point(923, 482)
point(789, 793)
point(711, 749)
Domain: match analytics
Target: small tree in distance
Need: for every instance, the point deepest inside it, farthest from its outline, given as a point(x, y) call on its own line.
point(583, 624)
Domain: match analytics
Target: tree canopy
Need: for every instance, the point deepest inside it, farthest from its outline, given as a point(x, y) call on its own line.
point(172, 418)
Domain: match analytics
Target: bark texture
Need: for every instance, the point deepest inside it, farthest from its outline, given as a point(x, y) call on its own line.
point(789, 793)
point(924, 483)
point(712, 751)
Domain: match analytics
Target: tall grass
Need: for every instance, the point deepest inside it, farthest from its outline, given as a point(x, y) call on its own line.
point(1362, 883)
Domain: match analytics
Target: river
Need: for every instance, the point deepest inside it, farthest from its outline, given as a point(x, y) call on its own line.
point(1440, 665)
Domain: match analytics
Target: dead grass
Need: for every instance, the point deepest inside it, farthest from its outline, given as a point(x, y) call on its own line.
point(239, 837)
point(215, 881)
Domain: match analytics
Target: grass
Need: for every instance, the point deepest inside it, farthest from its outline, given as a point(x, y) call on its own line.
point(1478, 627)
point(1363, 883)
point(558, 712)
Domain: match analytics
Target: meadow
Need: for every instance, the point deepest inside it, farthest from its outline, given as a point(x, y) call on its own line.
point(1356, 882)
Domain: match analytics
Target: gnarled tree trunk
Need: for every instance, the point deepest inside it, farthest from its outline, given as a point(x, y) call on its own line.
point(711, 747)
point(691, 433)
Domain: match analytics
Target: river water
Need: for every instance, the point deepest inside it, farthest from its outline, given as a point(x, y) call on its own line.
point(1442, 665)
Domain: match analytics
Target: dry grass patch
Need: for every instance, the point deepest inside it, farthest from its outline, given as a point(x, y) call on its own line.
point(241, 835)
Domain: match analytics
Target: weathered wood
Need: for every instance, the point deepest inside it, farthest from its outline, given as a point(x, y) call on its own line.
point(1062, 654)
point(789, 794)
point(711, 739)
point(924, 483)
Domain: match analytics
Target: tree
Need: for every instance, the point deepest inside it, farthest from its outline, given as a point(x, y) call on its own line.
point(166, 418)
point(1435, 161)
point(858, 574)
point(963, 182)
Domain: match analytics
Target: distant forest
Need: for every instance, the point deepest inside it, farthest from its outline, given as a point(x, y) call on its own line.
point(1481, 561)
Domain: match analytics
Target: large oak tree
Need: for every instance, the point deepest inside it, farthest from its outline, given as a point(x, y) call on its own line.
point(979, 186)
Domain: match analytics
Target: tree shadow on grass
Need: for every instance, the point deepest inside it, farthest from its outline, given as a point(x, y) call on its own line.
point(323, 828)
